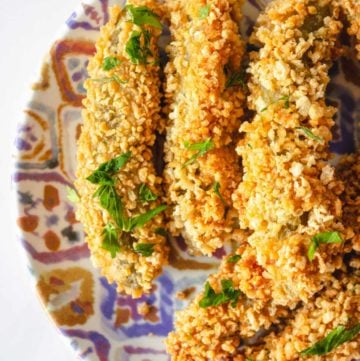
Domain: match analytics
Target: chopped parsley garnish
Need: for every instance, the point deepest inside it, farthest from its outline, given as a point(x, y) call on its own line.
point(201, 148)
point(216, 189)
point(142, 15)
point(110, 79)
point(335, 338)
point(228, 294)
point(112, 202)
point(204, 11)
point(161, 231)
point(110, 239)
point(234, 79)
point(138, 48)
point(72, 195)
point(145, 194)
point(234, 259)
point(145, 249)
point(250, 146)
point(310, 134)
point(322, 238)
point(284, 98)
point(142, 219)
point(103, 175)
point(110, 62)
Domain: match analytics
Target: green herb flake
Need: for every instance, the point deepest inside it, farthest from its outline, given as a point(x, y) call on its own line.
point(202, 148)
point(138, 53)
point(335, 338)
point(142, 219)
point(110, 79)
point(142, 15)
point(250, 146)
point(72, 195)
point(103, 175)
point(234, 259)
point(145, 249)
point(145, 194)
point(161, 231)
point(216, 189)
point(322, 238)
point(228, 294)
point(110, 62)
point(204, 11)
point(235, 79)
point(111, 239)
point(310, 134)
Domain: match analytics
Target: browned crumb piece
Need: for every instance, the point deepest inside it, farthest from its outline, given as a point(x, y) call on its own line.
point(121, 114)
point(143, 309)
point(205, 104)
point(184, 294)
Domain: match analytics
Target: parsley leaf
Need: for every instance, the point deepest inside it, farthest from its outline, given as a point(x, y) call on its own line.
point(322, 238)
point(137, 52)
point(216, 189)
point(234, 259)
point(310, 134)
point(145, 249)
point(142, 15)
point(335, 338)
point(72, 195)
point(204, 11)
point(111, 201)
point(110, 62)
point(145, 194)
point(142, 219)
point(211, 298)
point(110, 239)
point(201, 148)
point(235, 79)
point(103, 175)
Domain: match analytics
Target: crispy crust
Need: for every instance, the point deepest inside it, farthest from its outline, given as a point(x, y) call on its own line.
point(120, 118)
point(200, 107)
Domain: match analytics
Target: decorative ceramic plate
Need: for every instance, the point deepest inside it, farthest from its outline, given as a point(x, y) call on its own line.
point(100, 324)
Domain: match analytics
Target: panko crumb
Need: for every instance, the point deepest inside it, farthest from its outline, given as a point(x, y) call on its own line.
point(143, 308)
point(185, 294)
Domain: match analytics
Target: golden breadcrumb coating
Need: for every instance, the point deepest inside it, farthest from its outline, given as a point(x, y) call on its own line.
point(289, 192)
point(119, 118)
point(205, 52)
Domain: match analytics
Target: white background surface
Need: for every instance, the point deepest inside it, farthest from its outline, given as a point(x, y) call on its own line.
point(27, 28)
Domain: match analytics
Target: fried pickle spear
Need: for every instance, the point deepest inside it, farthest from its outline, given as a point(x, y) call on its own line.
point(213, 327)
point(116, 180)
point(289, 195)
point(223, 324)
point(205, 97)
